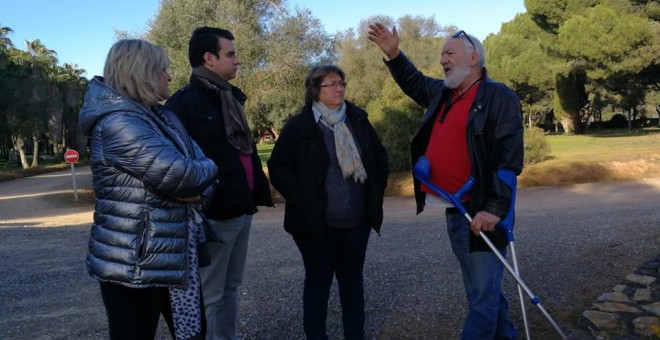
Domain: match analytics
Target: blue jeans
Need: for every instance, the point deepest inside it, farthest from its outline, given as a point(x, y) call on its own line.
point(341, 253)
point(488, 315)
point(222, 277)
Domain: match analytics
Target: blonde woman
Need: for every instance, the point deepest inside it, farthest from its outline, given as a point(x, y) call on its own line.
point(150, 180)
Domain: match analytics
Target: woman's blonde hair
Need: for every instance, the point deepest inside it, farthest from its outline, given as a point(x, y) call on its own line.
point(133, 68)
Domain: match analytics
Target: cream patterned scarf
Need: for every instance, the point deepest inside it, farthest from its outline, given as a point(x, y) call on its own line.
point(347, 152)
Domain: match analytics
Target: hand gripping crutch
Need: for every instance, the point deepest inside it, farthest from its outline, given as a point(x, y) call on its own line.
point(421, 172)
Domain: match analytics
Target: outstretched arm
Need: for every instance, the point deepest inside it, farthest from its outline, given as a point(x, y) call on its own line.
point(386, 40)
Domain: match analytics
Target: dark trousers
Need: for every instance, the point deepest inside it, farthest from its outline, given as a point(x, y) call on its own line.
point(340, 254)
point(133, 313)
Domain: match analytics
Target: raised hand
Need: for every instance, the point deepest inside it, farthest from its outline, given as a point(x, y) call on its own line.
point(386, 40)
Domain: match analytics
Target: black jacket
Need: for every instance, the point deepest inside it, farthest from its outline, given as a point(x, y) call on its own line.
point(494, 138)
point(199, 109)
point(299, 163)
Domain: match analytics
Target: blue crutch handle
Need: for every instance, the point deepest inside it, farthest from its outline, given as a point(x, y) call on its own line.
point(509, 178)
point(421, 171)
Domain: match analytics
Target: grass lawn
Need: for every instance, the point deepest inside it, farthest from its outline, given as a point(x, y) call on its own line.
point(597, 157)
point(610, 147)
point(264, 151)
point(606, 156)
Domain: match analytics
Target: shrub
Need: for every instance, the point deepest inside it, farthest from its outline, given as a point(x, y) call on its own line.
point(396, 131)
point(618, 121)
point(536, 147)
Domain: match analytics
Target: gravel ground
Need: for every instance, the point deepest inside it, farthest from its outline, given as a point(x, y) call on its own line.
point(573, 243)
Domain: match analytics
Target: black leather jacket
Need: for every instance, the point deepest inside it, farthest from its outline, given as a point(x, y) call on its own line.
point(494, 137)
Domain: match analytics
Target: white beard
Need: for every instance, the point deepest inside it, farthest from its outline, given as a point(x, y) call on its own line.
point(457, 76)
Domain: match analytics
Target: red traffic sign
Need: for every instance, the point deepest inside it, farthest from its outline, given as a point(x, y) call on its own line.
point(71, 156)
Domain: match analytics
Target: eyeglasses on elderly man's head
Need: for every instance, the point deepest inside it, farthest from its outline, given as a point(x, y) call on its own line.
point(335, 84)
point(457, 35)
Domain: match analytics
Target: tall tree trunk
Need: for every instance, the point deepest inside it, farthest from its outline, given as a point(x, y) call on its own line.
point(55, 128)
point(274, 133)
point(35, 150)
point(9, 154)
point(7, 163)
point(567, 123)
point(19, 146)
point(5, 151)
point(630, 120)
point(577, 124)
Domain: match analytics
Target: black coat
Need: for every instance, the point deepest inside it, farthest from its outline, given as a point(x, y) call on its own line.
point(299, 164)
point(199, 109)
point(494, 137)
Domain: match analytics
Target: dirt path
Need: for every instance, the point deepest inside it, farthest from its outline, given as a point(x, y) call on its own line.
point(574, 243)
point(46, 200)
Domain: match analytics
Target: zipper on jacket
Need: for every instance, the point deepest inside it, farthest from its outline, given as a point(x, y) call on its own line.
point(143, 237)
point(142, 247)
point(476, 141)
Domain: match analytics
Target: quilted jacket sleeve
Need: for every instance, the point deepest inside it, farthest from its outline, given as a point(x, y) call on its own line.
point(133, 144)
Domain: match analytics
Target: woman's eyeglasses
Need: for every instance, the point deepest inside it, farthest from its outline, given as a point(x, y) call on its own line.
point(335, 84)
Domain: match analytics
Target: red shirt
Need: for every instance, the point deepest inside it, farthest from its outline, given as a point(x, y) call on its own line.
point(447, 149)
point(246, 160)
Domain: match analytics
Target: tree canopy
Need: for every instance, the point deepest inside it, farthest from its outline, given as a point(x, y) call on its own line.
point(35, 92)
point(569, 61)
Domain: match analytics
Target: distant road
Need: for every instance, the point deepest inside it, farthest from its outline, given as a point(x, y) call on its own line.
point(45, 200)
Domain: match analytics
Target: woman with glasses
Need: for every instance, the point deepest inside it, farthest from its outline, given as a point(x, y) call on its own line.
point(331, 168)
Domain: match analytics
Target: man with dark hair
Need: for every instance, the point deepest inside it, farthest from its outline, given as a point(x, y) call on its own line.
point(212, 111)
point(472, 127)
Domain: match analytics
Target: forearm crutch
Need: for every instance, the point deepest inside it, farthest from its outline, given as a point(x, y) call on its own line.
point(509, 178)
point(421, 172)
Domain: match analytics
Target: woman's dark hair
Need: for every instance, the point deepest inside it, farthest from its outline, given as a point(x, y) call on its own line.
point(315, 77)
point(205, 39)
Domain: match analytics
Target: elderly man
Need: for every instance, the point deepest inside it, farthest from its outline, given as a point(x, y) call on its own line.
point(472, 127)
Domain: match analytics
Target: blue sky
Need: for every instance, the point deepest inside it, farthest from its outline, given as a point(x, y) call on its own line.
point(82, 31)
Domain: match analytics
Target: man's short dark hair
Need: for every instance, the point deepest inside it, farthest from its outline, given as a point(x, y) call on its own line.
point(205, 39)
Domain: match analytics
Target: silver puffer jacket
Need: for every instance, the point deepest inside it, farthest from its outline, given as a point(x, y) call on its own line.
point(140, 165)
